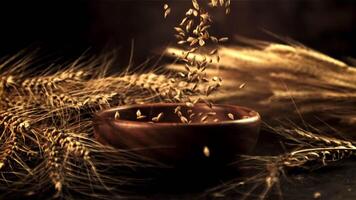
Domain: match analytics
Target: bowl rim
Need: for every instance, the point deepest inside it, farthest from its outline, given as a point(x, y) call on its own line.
point(98, 115)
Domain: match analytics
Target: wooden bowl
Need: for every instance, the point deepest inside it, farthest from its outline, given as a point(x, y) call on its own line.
point(216, 139)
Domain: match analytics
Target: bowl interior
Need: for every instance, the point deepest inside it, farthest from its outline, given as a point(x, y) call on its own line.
point(173, 113)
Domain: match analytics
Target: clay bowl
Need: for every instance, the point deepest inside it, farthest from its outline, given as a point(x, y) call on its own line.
point(172, 142)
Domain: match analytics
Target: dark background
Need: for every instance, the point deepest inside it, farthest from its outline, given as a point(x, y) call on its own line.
point(69, 27)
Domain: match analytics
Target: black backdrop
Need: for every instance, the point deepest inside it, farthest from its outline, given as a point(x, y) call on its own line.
point(69, 27)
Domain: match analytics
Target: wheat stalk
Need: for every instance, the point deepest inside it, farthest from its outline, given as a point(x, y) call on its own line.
point(313, 152)
point(66, 158)
point(279, 76)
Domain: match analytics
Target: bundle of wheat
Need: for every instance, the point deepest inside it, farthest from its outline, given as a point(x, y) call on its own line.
point(264, 174)
point(278, 77)
point(46, 131)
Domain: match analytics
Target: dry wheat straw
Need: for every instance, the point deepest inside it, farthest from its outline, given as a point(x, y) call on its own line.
point(269, 170)
point(47, 84)
point(59, 157)
point(273, 74)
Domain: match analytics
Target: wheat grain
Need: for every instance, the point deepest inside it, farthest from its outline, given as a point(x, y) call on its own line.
point(54, 167)
point(117, 115)
point(211, 113)
point(6, 82)
point(204, 118)
point(183, 119)
point(223, 39)
point(7, 149)
point(46, 84)
point(206, 151)
point(189, 104)
point(158, 117)
point(69, 142)
point(311, 137)
point(191, 115)
point(139, 115)
point(195, 4)
point(178, 108)
point(167, 10)
point(231, 116)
